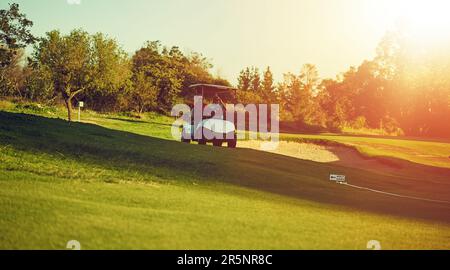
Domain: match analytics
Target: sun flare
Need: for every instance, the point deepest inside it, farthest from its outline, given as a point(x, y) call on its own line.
point(425, 21)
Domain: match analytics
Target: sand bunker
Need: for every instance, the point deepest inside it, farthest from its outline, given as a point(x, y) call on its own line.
point(307, 151)
point(342, 155)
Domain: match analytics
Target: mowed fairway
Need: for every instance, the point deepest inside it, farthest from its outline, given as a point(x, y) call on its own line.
point(119, 183)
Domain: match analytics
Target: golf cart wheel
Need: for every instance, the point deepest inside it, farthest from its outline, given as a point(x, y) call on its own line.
point(232, 144)
point(217, 143)
point(202, 142)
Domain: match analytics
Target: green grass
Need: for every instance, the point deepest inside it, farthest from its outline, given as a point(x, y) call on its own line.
point(120, 184)
point(150, 124)
point(42, 212)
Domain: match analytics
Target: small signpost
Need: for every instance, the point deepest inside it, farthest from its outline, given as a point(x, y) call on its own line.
point(80, 105)
point(337, 178)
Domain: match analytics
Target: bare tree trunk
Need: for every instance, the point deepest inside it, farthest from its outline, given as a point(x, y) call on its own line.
point(68, 96)
point(16, 86)
point(68, 102)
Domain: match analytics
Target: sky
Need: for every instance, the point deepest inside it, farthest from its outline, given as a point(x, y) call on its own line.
point(233, 34)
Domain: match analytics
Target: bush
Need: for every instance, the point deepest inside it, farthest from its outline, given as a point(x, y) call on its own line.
point(34, 108)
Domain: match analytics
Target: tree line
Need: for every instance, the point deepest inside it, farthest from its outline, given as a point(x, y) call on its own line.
point(399, 91)
point(404, 90)
point(94, 69)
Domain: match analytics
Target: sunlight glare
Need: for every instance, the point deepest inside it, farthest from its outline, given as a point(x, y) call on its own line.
point(427, 21)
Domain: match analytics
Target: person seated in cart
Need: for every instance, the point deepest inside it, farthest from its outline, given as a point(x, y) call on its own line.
point(213, 129)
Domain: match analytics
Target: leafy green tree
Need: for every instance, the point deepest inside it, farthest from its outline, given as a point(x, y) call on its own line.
point(39, 85)
point(298, 92)
point(112, 80)
point(293, 96)
point(246, 97)
point(69, 60)
point(14, 33)
point(221, 81)
point(245, 79)
point(309, 78)
point(12, 76)
point(249, 80)
point(79, 62)
point(416, 86)
point(267, 86)
point(195, 71)
point(255, 82)
point(192, 68)
point(161, 69)
point(144, 95)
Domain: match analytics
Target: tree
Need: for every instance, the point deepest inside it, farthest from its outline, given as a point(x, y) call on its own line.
point(68, 59)
point(39, 85)
point(249, 80)
point(309, 78)
point(297, 93)
point(196, 71)
point(292, 96)
point(14, 37)
point(145, 92)
point(267, 87)
point(79, 62)
point(245, 79)
point(220, 81)
point(161, 69)
point(416, 85)
point(247, 97)
point(192, 68)
point(14, 33)
point(12, 76)
point(255, 81)
point(334, 102)
point(112, 80)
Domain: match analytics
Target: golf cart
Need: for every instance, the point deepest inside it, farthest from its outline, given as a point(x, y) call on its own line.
point(213, 129)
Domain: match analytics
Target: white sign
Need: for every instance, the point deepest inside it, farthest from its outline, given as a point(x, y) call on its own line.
point(81, 104)
point(337, 177)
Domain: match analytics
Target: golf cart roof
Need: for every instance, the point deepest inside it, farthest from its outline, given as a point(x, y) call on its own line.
point(211, 87)
point(209, 91)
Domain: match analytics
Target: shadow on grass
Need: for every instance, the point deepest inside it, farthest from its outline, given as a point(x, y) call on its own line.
point(97, 145)
point(119, 150)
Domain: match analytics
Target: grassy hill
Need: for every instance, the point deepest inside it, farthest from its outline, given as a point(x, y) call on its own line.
point(116, 182)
